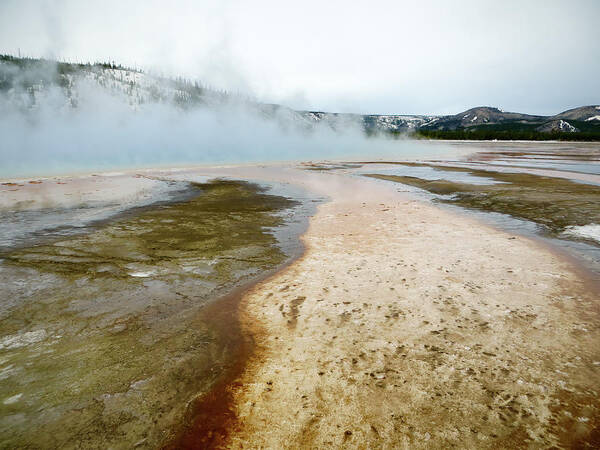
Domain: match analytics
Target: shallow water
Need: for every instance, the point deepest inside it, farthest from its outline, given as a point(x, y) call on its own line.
point(86, 359)
point(256, 148)
point(583, 249)
point(104, 341)
point(574, 157)
point(427, 173)
point(548, 163)
point(21, 227)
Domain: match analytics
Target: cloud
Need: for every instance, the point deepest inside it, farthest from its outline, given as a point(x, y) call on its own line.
point(397, 57)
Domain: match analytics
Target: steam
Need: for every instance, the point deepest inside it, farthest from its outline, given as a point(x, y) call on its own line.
point(48, 129)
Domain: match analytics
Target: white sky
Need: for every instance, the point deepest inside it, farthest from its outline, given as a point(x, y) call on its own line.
point(353, 56)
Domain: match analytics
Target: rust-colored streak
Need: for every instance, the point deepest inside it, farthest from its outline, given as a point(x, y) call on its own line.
point(211, 416)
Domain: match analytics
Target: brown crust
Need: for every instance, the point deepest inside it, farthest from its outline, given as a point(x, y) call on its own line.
point(211, 418)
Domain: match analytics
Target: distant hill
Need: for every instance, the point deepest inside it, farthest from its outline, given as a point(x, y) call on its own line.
point(482, 115)
point(36, 78)
point(487, 123)
point(585, 113)
point(483, 122)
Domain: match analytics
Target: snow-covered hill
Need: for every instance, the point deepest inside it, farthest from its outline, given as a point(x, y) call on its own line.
point(27, 83)
point(585, 113)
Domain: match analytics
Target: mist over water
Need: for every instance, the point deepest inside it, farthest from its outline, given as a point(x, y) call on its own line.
point(88, 127)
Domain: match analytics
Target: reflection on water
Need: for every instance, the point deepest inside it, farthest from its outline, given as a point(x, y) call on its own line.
point(591, 167)
point(426, 173)
point(24, 227)
point(581, 158)
point(585, 252)
point(574, 157)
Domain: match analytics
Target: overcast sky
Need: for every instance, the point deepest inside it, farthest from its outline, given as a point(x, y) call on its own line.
point(350, 56)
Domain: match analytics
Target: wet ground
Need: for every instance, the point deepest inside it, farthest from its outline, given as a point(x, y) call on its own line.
point(555, 206)
point(406, 326)
point(106, 339)
point(549, 191)
point(108, 335)
point(579, 158)
point(554, 203)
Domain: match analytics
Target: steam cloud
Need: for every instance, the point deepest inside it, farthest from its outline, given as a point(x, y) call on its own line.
point(44, 133)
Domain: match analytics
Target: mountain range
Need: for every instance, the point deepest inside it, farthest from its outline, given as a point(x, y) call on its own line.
point(585, 118)
point(37, 77)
